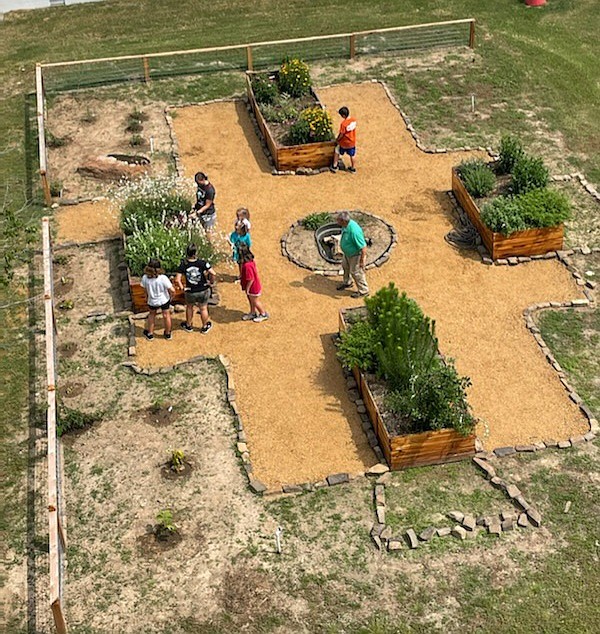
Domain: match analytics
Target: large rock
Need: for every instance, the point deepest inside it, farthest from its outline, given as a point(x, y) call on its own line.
point(108, 168)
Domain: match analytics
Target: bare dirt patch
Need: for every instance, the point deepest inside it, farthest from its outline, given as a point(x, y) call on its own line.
point(71, 389)
point(161, 415)
point(96, 127)
point(87, 222)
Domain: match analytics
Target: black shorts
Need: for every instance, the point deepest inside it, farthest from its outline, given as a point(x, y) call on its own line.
point(163, 307)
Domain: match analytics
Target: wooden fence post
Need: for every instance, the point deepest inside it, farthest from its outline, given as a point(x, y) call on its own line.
point(46, 188)
point(249, 58)
point(472, 34)
point(352, 46)
point(146, 69)
point(59, 618)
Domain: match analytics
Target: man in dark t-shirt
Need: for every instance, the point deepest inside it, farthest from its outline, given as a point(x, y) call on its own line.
point(199, 278)
point(204, 209)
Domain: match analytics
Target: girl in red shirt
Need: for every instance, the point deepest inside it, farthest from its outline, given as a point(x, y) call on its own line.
point(250, 283)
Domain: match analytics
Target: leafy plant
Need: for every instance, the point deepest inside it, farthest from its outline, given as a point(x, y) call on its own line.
point(319, 123)
point(502, 215)
point(163, 202)
point(313, 221)
point(284, 109)
point(134, 126)
point(436, 399)
point(299, 132)
point(73, 420)
point(528, 173)
point(543, 207)
point(53, 141)
point(294, 77)
point(165, 525)
point(66, 304)
point(153, 240)
point(357, 347)
point(56, 188)
point(137, 115)
point(265, 90)
point(177, 460)
point(477, 177)
point(511, 151)
point(136, 140)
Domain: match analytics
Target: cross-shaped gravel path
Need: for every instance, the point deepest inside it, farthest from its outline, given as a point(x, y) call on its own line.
point(291, 392)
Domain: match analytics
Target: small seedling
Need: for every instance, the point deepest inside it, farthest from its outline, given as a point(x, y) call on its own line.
point(136, 140)
point(177, 461)
point(89, 116)
point(66, 304)
point(61, 260)
point(56, 188)
point(164, 524)
point(138, 115)
point(134, 126)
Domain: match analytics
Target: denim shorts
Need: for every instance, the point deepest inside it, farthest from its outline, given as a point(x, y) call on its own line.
point(350, 151)
point(208, 222)
point(201, 297)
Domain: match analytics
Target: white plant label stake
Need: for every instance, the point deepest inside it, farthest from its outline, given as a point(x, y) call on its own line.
point(278, 534)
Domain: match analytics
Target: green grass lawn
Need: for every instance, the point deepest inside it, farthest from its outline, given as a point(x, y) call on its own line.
point(534, 72)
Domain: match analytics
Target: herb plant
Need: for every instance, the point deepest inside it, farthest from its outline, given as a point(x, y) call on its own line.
point(502, 215)
point(477, 177)
point(265, 90)
point(313, 221)
point(511, 151)
point(528, 173)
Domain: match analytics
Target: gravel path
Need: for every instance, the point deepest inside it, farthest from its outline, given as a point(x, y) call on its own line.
point(301, 425)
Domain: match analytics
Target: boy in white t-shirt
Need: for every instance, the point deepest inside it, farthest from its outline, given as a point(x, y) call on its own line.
point(159, 290)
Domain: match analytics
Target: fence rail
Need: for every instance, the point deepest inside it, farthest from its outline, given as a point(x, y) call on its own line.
point(56, 535)
point(88, 73)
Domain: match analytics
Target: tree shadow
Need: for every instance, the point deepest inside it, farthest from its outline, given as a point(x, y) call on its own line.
point(251, 134)
point(321, 285)
point(328, 379)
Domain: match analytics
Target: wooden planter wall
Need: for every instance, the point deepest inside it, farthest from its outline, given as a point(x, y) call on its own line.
point(528, 242)
point(313, 155)
point(411, 450)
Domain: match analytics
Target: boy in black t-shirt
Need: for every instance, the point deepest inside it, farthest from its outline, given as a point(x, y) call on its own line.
point(204, 209)
point(199, 277)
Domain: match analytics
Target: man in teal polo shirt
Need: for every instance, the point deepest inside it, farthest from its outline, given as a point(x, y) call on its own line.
point(354, 248)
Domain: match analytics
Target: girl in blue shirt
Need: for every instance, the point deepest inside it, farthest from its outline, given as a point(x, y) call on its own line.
point(237, 237)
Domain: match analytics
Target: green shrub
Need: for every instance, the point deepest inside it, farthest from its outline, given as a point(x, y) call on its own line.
point(357, 347)
point(313, 221)
point(153, 240)
point(511, 151)
point(294, 77)
point(161, 206)
point(477, 177)
point(281, 111)
point(74, 420)
point(319, 123)
point(543, 208)
point(502, 215)
point(299, 132)
point(528, 173)
point(435, 400)
point(265, 90)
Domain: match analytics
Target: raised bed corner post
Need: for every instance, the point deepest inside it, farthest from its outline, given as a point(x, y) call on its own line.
point(352, 46)
point(146, 69)
point(472, 34)
point(249, 58)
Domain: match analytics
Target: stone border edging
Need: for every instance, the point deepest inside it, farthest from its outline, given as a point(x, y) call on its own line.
point(468, 525)
point(380, 261)
point(242, 449)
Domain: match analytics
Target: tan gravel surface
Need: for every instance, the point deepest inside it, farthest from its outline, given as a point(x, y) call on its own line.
point(290, 389)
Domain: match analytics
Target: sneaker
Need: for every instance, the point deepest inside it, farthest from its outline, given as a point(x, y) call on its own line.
point(333, 168)
point(148, 335)
point(260, 318)
point(357, 295)
point(249, 316)
point(343, 287)
point(168, 335)
point(352, 169)
point(206, 327)
point(186, 326)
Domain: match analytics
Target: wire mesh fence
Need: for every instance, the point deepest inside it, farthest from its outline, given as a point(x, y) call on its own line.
point(137, 68)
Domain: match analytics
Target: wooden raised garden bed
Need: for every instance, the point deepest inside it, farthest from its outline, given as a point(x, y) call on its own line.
point(313, 155)
point(528, 242)
point(411, 450)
